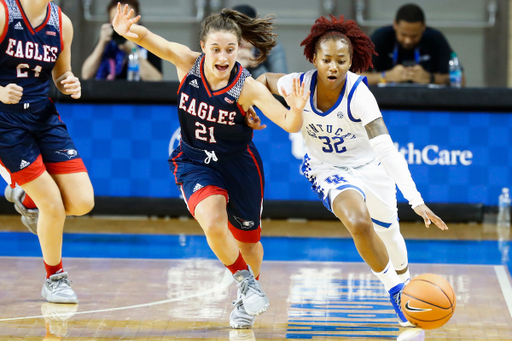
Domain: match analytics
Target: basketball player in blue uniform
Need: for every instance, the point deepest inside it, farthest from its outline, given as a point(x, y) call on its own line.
point(216, 166)
point(36, 150)
point(351, 161)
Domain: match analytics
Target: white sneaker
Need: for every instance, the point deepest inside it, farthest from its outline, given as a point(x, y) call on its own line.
point(29, 216)
point(56, 317)
point(57, 289)
point(239, 318)
point(254, 299)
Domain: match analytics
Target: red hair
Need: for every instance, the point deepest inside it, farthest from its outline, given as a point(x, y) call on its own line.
point(360, 45)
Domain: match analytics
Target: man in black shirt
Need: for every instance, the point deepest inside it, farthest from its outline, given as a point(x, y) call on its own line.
point(410, 52)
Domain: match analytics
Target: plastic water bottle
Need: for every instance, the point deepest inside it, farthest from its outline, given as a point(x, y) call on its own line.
point(133, 66)
point(504, 208)
point(455, 71)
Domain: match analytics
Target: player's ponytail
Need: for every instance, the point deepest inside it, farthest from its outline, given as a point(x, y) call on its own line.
point(257, 31)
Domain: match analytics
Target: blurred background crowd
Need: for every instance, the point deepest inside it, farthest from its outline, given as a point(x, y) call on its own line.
point(476, 30)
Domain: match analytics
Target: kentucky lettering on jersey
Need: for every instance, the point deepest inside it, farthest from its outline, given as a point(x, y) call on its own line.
point(28, 54)
point(213, 120)
point(337, 136)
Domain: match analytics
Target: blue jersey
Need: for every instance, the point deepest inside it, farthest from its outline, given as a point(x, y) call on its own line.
point(212, 120)
point(28, 54)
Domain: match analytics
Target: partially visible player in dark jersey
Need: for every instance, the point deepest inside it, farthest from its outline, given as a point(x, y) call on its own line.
point(35, 148)
point(216, 166)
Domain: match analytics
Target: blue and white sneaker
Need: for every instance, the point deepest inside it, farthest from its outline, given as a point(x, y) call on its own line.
point(395, 294)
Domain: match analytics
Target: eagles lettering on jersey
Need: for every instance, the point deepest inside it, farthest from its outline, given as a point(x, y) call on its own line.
point(29, 53)
point(212, 120)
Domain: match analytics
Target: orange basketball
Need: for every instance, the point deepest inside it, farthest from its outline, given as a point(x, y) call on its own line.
point(428, 301)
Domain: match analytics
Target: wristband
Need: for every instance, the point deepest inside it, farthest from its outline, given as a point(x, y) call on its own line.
point(383, 77)
point(432, 78)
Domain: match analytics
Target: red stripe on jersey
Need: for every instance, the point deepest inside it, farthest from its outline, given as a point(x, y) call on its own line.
point(203, 78)
point(259, 170)
point(30, 173)
point(204, 193)
point(244, 236)
point(60, 30)
point(6, 25)
point(232, 83)
point(48, 15)
point(241, 109)
point(176, 165)
point(66, 167)
point(181, 83)
point(27, 23)
point(12, 184)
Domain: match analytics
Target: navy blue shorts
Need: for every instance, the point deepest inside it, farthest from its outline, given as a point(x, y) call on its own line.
point(34, 142)
point(238, 176)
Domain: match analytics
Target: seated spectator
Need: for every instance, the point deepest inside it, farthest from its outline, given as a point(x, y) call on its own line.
point(409, 51)
point(276, 60)
point(109, 59)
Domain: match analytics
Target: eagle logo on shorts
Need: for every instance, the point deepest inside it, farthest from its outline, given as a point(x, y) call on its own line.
point(69, 153)
point(244, 224)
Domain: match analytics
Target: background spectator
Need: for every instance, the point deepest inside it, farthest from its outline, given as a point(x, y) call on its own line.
point(109, 58)
point(409, 51)
point(276, 61)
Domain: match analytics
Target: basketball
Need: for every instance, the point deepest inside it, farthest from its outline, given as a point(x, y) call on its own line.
point(428, 301)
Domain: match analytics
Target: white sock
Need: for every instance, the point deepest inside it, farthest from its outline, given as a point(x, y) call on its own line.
point(388, 276)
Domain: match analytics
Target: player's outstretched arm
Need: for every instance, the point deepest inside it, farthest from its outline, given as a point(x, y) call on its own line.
point(270, 79)
point(63, 77)
point(395, 165)
point(255, 93)
point(178, 54)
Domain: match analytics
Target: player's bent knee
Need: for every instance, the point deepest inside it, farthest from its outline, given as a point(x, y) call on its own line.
point(214, 227)
point(54, 209)
point(80, 208)
point(360, 228)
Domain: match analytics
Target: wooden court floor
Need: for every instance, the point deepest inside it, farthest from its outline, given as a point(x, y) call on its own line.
point(191, 298)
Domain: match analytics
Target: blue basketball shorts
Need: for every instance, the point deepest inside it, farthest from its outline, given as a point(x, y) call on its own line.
point(34, 142)
point(237, 176)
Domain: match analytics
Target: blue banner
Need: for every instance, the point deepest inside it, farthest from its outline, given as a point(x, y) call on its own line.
point(454, 157)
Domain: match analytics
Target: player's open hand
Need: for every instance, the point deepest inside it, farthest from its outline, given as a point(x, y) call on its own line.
point(429, 217)
point(253, 120)
point(72, 87)
point(11, 93)
point(123, 21)
point(298, 97)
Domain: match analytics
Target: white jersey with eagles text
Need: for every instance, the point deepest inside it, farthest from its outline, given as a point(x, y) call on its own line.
point(337, 136)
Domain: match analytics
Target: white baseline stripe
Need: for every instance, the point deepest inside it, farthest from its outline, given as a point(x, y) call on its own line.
point(506, 288)
point(226, 281)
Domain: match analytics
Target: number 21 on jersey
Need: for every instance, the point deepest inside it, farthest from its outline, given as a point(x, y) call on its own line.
point(22, 72)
